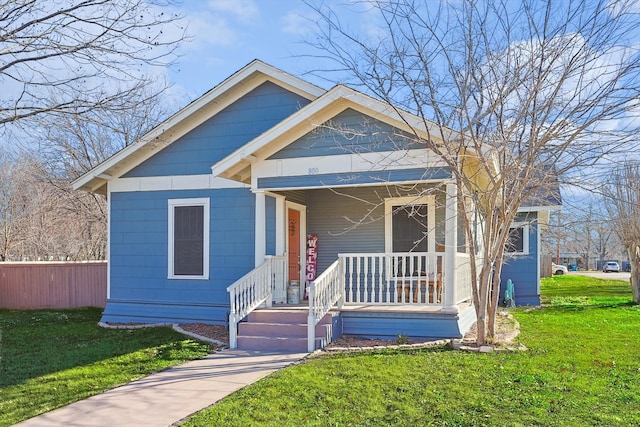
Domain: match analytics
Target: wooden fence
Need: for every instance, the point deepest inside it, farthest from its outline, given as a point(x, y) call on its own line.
point(35, 285)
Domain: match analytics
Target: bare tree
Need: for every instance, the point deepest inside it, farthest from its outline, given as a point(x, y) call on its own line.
point(623, 192)
point(70, 145)
point(73, 56)
point(41, 217)
point(510, 95)
point(13, 201)
point(41, 221)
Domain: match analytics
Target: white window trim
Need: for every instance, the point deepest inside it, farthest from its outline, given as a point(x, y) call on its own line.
point(525, 238)
point(172, 204)
point(410, 201)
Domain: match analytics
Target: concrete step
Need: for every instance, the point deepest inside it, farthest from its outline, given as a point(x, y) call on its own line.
point(278, 330)
point(274, 315)
point(276, 344)
point(278, 316)
point(282, 330)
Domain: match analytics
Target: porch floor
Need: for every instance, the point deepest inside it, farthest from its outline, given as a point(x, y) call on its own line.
point(380, 308)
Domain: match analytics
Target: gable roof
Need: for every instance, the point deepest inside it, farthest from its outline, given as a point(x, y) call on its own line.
point(197, 112)
point(338, 99)
point(324, 106)
point(545, 195)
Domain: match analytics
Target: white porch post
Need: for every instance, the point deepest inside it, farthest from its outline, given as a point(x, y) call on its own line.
point(281, 220)
point(451, 249)
point(260, 232)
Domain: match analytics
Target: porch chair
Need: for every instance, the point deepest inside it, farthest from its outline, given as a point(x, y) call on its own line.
point(431, 286)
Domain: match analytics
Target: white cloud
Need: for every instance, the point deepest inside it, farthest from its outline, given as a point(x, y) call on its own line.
point(243, 10)
point(206, 29)
point(617, 7)
point(218, 23)
point(296, 24)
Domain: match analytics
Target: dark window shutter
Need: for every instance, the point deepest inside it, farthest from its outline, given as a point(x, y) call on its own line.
point(188, 240)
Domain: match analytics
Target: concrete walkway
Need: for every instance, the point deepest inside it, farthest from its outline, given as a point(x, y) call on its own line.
point(163, 398)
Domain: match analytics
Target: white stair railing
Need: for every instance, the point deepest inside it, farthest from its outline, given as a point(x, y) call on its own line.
point(324, 292)
point(250, 292)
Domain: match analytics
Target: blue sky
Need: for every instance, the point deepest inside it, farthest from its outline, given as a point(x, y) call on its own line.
point(228, 34)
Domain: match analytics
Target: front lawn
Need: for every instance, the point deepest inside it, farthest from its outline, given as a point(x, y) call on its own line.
point(582, 369)
point(51, 358)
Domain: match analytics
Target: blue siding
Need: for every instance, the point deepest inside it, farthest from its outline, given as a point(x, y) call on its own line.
point(349, 132)
point(523, 271)
point(138, 257)
point(227, 131)
point(354, 178)
point(333, 215)
point(124, 311)
point(388, 325)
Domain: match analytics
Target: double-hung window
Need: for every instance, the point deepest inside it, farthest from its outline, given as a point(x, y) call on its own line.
point(518, 243)
point(188, 238)
point(409, 225)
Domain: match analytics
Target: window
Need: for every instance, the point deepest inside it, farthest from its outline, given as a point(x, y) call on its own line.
point(409, 224)
point(518, 242)
point(409, 228)
point(188, 239)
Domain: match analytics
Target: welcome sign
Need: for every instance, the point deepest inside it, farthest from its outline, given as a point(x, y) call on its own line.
point(311, 261)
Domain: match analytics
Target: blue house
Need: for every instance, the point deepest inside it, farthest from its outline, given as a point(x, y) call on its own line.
point(294, 215)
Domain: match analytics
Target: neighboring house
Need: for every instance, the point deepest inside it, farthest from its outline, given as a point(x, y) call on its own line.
point(574, 259)
point(209, 215)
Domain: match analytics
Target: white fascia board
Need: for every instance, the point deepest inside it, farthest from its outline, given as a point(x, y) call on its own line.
point(397, 118)
point(178, 182)
point(319, 111)
point(294, 84)
point(550, 208)
point(345, 163)
point(349, 185)
point(197, 112)
point(303, 115)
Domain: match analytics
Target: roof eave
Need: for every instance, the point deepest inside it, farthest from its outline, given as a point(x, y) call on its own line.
point(328, 105)
point(191, 116)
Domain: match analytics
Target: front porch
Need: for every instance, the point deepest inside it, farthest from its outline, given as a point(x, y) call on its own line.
point(390, 248)
point(368, 295)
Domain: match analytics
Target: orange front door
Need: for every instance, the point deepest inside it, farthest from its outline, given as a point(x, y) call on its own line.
point(293, 236)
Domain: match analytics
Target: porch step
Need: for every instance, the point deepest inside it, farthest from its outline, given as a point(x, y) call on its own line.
point(294, 345)
point(282, 330)
point(275, 315)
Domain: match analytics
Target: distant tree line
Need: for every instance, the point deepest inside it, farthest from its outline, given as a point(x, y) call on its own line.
point(80, 80)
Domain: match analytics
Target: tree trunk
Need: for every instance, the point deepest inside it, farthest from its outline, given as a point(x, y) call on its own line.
point(634, 258)
point(484, 283)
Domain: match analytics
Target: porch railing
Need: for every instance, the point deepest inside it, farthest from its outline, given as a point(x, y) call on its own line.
point(463, 291)
point(278, 278)
point(251, 291)
point(324, 292)
point(394, 278)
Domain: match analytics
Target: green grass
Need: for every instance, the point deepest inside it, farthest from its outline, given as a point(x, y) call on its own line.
point(51, 358)
point(577, 291)
point(582, 369)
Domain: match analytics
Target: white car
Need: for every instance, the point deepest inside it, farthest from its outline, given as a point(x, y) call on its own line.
point(559, 269)
point(611, 266)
